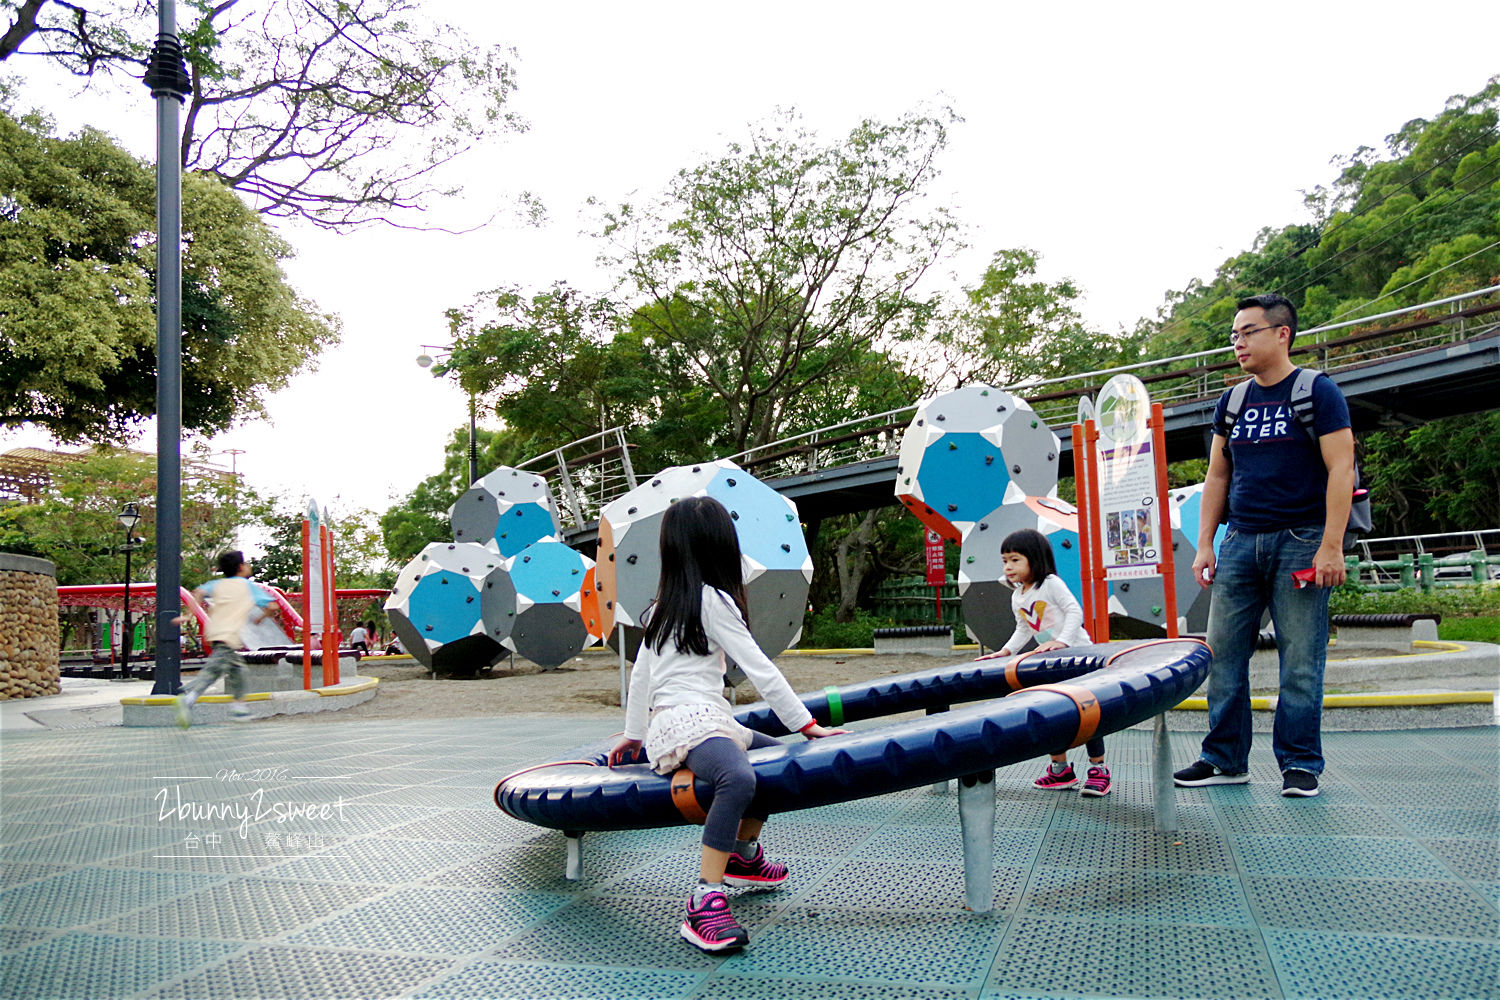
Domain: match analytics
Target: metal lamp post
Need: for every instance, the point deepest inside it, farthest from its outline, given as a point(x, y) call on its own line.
point(426, 360)
point(129, 516)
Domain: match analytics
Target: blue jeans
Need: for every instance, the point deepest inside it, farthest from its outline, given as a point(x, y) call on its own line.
point(1254, 572)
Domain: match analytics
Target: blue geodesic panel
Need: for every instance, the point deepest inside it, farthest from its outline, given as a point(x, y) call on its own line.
point(775, 563)
point(533, 603)
point(981, 567)
point(434, 606)
point(967, 452)
point(507, 510)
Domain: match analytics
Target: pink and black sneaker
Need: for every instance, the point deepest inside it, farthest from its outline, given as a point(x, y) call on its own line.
point(755, 872)
point(1098, 783)
point(711, 927)
point(1057, 782)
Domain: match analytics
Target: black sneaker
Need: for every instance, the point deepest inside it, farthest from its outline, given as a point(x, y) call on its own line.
point(1295, 782)
point(1204, 773)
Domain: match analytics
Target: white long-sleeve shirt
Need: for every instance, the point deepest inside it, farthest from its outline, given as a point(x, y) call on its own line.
point(677, 677)
point(1048, 611)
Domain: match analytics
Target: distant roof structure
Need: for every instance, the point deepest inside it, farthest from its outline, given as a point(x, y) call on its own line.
point(26, 473)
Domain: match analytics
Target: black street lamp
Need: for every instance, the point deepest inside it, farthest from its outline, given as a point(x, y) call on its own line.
point(426, 360)
point(130, 516)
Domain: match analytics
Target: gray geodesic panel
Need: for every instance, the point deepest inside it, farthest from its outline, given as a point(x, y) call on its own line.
point(968, 451)
point(507, 510)
point(775, 563)
point(434, 606)
point(981, 564)
point(533, 603)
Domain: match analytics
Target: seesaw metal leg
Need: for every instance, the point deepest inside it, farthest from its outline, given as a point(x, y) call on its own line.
point(574, 870)
point(1163, 793)
point(938, 787)
point(976, 820)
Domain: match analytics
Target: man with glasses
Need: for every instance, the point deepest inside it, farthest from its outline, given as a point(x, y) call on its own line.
point(1286, 493)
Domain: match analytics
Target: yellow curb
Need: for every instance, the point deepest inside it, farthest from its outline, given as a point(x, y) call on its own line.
point(333, 692)
point(1364, 700)
point(224, 699)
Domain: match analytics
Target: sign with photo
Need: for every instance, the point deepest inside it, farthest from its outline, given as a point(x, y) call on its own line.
point(1126, 476)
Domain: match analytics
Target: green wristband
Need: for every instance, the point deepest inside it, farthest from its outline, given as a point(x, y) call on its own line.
point(835, 706)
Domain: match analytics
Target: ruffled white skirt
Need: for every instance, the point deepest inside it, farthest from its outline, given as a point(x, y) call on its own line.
point(676, 729)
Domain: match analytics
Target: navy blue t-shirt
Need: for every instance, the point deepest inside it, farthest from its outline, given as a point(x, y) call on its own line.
point(1279, 478)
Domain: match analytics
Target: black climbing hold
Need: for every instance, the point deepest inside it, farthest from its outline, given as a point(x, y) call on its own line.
point(989, 460)
point(729, 481)
point(1067, 543)
point(952, 508)
point(785, 547)
point(632, 510)
point(734, 515)
point(631, 559)
point(1016, 469)
point(984, 526)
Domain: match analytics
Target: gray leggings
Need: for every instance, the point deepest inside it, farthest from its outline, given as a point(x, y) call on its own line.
point(720, 761)
point(225, 662)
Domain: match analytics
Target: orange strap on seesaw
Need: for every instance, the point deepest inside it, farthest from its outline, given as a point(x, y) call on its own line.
point(685, 799)
point(1088, 708)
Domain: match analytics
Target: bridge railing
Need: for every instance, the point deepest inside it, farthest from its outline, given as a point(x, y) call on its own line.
point(594, 470)
point(588, 473)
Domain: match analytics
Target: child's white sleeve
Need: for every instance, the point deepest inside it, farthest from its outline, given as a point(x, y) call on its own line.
point(1023, 632)
point(723, 624)
point(1071, 631)
point(637, 703)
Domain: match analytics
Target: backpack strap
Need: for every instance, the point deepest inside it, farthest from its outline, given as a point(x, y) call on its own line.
point(1235, 404)
point(1302, 401)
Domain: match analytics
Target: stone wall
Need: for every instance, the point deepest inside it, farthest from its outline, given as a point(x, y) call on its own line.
point(28, 627)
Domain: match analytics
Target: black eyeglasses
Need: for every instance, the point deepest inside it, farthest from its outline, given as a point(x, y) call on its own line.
point(1235, 336)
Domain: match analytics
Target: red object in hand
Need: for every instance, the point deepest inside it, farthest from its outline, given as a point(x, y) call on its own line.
point(1304, 578)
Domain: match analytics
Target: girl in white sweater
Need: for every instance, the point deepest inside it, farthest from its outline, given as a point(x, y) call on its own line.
point(699, 615)
point(1047, 610)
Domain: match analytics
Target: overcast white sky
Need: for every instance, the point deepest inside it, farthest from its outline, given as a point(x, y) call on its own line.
point(1135, 146)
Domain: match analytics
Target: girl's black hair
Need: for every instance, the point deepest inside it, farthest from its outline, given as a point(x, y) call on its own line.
point(1034, 546)
point(698, 546)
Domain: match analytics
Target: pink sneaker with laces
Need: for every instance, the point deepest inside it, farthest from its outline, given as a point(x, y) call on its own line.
point(756, 871)
point(711, 927)
point(1098, 783)
point(1058, 782)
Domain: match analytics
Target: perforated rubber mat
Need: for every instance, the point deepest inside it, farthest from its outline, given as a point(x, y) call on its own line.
point(367, 859)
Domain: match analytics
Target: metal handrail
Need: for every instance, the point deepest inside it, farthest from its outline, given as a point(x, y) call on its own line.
point(1196, 384)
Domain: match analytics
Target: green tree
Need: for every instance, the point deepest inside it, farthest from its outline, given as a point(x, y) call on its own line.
point(422, 515)
point(77, 293)
point(340, 112)
point(1011, 328)
point(1440, 476)
point(360, 558)
point(779, 265)
point(74, 524)
point(1417, 220)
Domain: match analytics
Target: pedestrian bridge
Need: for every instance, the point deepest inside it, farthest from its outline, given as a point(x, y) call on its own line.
point(1435, 360)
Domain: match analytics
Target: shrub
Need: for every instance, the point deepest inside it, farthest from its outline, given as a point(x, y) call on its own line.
point(1456, 602)
point(820, 631)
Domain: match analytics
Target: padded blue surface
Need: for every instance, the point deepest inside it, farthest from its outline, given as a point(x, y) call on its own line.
point(1130, 682)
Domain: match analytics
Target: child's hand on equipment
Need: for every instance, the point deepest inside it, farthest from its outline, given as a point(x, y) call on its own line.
point(817, 732)
point(993, 656)
point(1050, 645)
point(179, 620)
point(624, 748)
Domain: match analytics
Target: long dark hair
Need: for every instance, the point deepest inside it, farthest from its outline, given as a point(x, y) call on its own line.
point(698, 546)
point(1034, 546)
